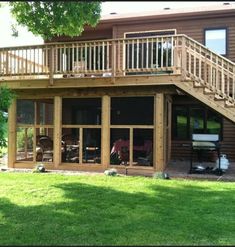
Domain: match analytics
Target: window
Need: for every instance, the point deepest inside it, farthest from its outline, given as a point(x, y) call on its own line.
point(194, 119)
point(149, 51)
point(216, 39)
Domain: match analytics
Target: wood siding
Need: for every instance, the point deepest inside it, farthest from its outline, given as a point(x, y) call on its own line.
point(192, 28)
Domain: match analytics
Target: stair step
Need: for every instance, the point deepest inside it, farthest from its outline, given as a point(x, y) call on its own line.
point(229, 104)
point(198, 85)
point(219, 102)
point(207, 91)
point(218, 98)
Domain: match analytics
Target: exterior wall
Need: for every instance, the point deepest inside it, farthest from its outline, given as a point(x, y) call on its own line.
point(192, 28)
point(188, 24)
point(92, 34)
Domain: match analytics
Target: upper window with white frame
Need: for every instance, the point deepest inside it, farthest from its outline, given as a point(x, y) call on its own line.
point(216, 40)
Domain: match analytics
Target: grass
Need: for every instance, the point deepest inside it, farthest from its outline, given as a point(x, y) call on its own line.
point(55, 209)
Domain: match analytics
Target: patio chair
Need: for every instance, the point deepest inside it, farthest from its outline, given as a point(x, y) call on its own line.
point(46, 145)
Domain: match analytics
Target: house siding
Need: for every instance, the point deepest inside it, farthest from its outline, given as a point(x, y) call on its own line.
point(188, 28)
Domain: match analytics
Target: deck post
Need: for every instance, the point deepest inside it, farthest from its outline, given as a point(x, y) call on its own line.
point(57, 131)
point(105, 134)
point(12, 134)
point(159, 132)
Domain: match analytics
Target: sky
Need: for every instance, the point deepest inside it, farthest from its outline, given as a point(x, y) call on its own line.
point(27, 38)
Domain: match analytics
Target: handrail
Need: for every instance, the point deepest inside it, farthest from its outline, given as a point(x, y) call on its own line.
point(86, 41)
point(214, 53)
point(211, 70)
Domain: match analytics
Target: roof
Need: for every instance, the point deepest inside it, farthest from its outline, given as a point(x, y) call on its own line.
point(170, 12)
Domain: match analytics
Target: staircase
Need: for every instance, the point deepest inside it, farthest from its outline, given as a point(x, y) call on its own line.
point(206, 76)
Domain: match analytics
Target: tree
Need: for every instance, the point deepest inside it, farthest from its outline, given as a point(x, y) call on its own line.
point(6, 96)
point(56, 18)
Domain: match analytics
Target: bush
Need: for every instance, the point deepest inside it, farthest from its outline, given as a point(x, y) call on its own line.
point(161, 175)
point(39, 168)
point(110, 172)
point(21, 138)
point(6, 96)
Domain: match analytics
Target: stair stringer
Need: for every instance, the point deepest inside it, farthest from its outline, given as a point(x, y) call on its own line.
point(198, 93)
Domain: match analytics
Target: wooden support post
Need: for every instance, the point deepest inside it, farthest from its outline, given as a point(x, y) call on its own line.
point(57, 131)
point(131, 146)
point(159, 132)
point(105, 137)
point(12, 134)
point(167, 127)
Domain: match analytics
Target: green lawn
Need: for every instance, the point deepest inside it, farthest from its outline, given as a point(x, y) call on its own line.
point(55, 209)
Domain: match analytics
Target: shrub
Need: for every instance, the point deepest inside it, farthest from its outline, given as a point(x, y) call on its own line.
point(161, 175)
point(39, 168)
point(110, 172)
point(21, 138)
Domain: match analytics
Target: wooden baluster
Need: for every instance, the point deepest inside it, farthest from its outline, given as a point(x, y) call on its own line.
point(90, 57)
point(162, 55)
point(113, 58)
point(183, 58)
point(157, 43)
point(172, 52)
point(103, 56)
point(167, 52)
point(51, 65)
point(119, 52)
point(7, 62)
point(132, 54)
point(222, 77)
point(147, 53)
point(137, 54)
point(94, 58)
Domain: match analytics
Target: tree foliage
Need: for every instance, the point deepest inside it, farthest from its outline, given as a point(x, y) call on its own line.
point(6, 96)
point(55, 18)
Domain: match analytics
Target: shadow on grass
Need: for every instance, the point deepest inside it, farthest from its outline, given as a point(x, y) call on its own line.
point(92, 215)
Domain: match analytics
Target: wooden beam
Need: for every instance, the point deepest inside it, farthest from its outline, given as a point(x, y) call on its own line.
point(159, 132)
point(94, 92)
point(105, 137)
point(91, 82)
point(57, 131)
point(12, 134)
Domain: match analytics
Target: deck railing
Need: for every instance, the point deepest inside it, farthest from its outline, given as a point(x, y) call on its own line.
point(171, 54)
point(117, 57)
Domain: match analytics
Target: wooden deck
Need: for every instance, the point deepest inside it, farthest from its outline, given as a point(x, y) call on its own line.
point(169, 60)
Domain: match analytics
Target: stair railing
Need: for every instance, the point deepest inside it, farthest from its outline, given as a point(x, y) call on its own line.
point(208, 69)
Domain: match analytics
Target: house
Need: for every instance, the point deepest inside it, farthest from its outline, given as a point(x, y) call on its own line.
point(127, 93)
